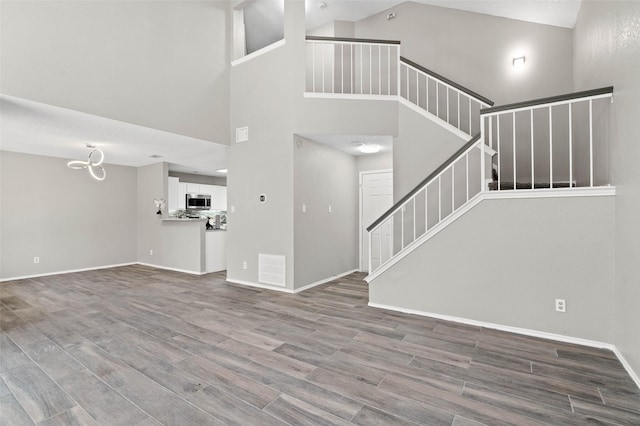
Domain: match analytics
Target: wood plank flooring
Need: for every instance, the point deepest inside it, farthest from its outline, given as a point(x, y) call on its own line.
point(140, 346)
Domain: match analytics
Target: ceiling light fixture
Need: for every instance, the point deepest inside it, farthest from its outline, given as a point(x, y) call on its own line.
point(369, 149)
point(518, 62)
point(92, 164)
point(222, 170)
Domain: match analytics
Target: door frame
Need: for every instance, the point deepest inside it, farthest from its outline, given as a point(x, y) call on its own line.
point(360, 213)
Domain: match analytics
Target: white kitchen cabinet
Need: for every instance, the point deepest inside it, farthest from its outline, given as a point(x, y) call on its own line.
point(216, 251)
point(193, 188)
point(182, 192)
point(219, 197)
point(173, 193)
point(206, 189)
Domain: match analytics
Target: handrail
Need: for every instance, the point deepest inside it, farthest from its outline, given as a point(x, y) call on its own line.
point(351, 40)
point(425, 181)
point(446, 81)
point(550, 100)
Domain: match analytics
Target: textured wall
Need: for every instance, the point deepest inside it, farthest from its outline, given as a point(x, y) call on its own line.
point(326, 244)
point(511, 271)
point(63, 216)
point(159, 64)
point(476, 50)
point(607, 52)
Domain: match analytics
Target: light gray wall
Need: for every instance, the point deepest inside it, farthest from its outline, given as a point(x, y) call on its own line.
point(345, 117)
point(63, 216)
point(607, 52)
point(160, 64)
point(476, 50)
point(420, 148)
point(150, 185)
point(326, 244)
point(264, 164)
point(380, 161)
point(263, 23)
point(524, 254)
point(176, 245)
point(334, 29)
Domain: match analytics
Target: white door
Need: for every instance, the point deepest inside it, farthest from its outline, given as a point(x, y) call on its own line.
point(376, 195)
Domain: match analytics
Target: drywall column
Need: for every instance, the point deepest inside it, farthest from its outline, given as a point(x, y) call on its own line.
point(262, 99)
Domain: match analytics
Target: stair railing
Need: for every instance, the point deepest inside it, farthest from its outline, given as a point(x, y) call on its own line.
point(551, 142)
point(449, 101)
point(351, 66)
point(440, 195)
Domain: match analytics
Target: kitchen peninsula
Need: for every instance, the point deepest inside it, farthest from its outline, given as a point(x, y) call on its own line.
point(197, 236)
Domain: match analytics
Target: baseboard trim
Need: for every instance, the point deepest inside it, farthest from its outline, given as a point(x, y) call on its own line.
point(70, 271)
point(522, 331)
point(627, 366)
point(324, 281)
point(258, 285)
point(184, 271)
point(288, 290)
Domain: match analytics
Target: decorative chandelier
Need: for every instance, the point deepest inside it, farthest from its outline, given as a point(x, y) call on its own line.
point(93, 164)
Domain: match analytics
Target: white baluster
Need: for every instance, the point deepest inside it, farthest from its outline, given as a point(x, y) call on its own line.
point(498, 146)
point(550, 147)
point(590, 142)
point(458, 123)
point(514, 151)
point(323, 55)
point(570, 145)
point(439, 198)
point(532, 155)
point(466, 159)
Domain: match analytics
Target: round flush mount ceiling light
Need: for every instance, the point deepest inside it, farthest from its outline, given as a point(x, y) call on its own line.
point(369, 149)
point(93, 164)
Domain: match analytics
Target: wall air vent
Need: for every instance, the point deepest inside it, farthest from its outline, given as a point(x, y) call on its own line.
point(242, 134)
point(272, 269)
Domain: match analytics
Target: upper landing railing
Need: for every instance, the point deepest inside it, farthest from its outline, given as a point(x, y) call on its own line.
point(560, 141)
point(439, 96)
point(350, 66)
point(374, 69)
point(553, 143)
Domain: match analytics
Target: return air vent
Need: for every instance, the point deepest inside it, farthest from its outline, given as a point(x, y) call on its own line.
point(242, 134)
point(272, 269)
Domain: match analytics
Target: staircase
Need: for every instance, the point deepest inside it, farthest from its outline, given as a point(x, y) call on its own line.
point(512, 151)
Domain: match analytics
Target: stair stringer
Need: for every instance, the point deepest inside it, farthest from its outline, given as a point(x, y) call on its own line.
point(509, 275)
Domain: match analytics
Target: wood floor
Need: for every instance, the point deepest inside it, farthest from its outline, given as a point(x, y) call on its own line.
point(140, 346)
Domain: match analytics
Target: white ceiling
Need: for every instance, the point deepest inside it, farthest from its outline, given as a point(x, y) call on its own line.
point(36, 128)
point(350, 143)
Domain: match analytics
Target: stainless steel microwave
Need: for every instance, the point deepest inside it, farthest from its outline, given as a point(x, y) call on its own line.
point(198, 202)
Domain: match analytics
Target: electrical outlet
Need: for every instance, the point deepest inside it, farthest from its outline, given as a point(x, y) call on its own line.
point(36, 259)
point(151, 252)
point(561, 305)
point(330, 208)
point(304, 208)
point(244, 265)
